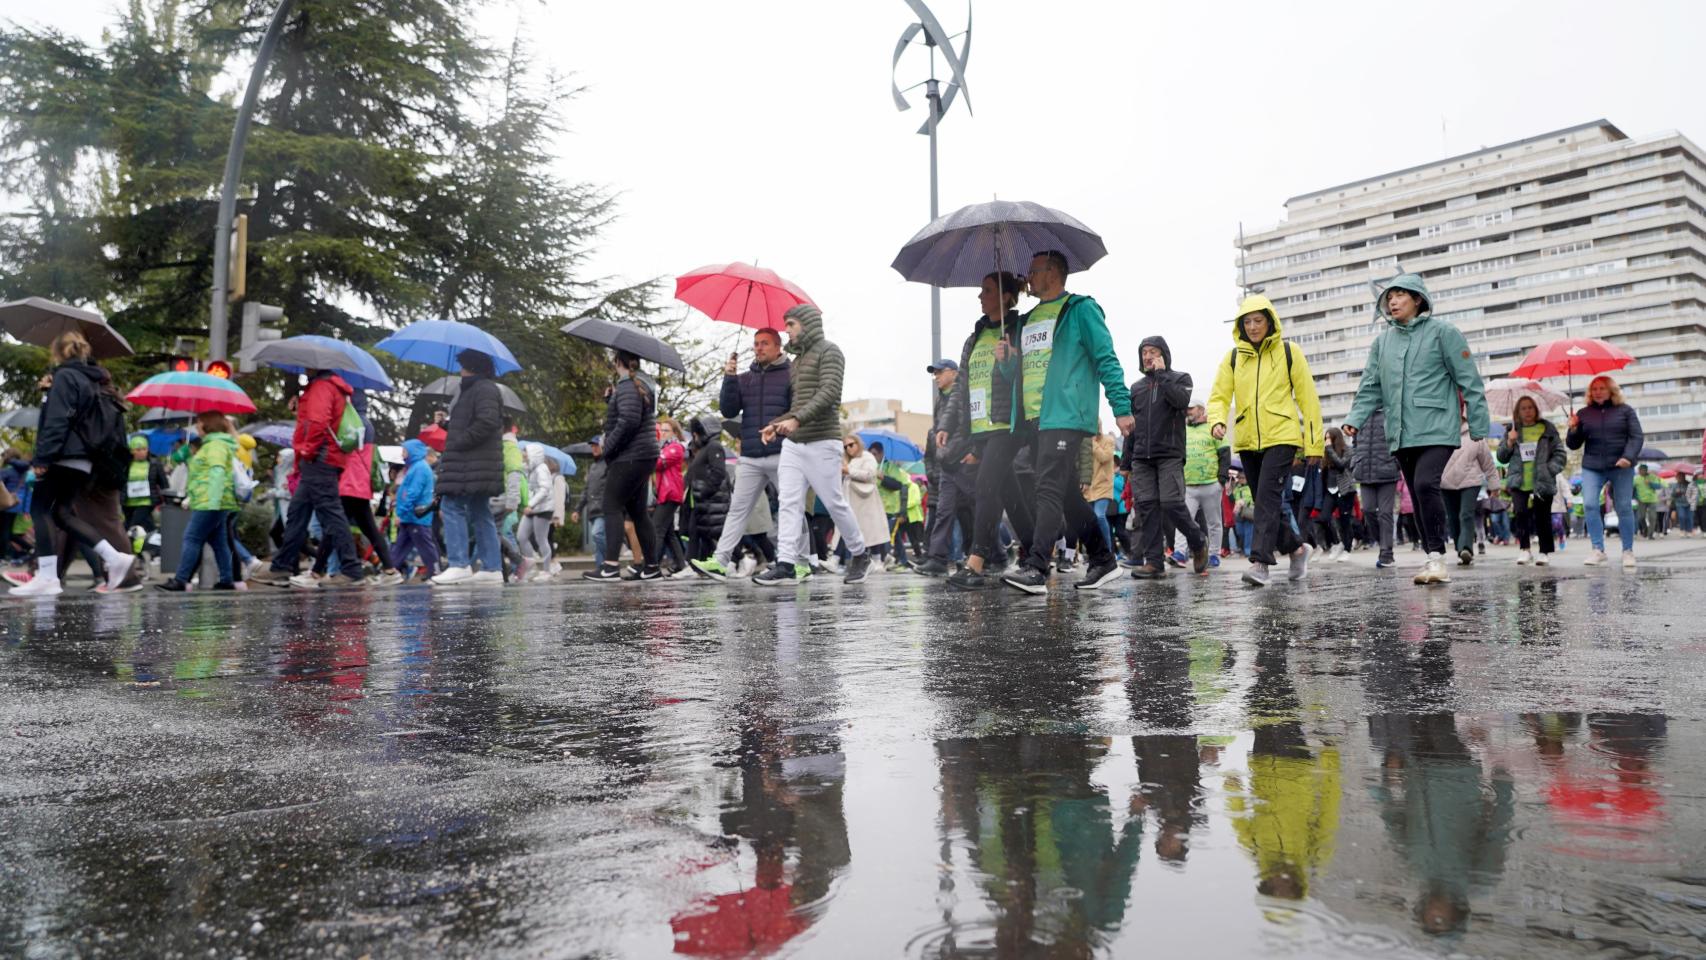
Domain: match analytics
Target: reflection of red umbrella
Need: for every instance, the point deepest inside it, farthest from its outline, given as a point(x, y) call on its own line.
point(739, 293)
point(737, 924)
point(1582, 356)
point(433, 436)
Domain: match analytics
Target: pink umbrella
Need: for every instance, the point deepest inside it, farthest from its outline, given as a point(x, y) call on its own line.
point(739, 293)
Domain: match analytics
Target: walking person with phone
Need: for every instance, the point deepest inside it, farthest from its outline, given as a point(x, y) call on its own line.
point(759, 395)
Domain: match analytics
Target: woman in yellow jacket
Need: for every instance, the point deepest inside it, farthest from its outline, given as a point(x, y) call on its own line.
point(1264, 384)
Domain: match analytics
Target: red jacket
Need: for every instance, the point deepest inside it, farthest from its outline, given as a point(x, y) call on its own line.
point(671, 479)
point(318, 411)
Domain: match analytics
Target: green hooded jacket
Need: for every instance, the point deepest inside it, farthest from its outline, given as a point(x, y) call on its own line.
point(1083, 354)
point(817, 371)
point(212, 484)
point(1417, 372)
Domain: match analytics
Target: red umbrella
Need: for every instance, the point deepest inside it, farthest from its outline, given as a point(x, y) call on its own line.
point(1567, 358)
point(739, 293)
point(191, 392)
point(738, 924)
point(434, 436)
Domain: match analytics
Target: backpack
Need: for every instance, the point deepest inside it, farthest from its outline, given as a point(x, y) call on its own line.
point(242, 481)
point(101, 427)
point(351, 429)
point(1232, 359)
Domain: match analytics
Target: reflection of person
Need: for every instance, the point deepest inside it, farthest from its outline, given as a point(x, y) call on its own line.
point(1450, 826)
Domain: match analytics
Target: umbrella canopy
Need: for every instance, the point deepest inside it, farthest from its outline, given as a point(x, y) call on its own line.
point(1578, 356)
point(564, 462)
point(161, 441)
point(1651, 455)
point(578, 449)
point(1684, 466)
point(36, 320)
point(1503, 394)
point(963, 247)
point(433, 436)
point(620, 336)
point(437, 342)
point(277, 433)
point(23, 418)
point(449, 387)
point(163, 416)
point(739, 293)
point(895, 446)
point(191, 392)
point(390, 454)
point(308, 352)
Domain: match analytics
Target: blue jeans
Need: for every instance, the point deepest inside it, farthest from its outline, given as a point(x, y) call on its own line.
point(1100, 509)
point(206, 527)
point(459, 512)
point(1684, 515)
point(1246, 533)
point(1622, 481)
point(597, 525)
point(1501, 524)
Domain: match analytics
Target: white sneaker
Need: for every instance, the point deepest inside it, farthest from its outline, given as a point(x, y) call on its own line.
point(1628, 560)
point(1433, 571)
point(250, 569)
point(1544, 560)
point(1595, 559)
point(746, 568)
point(541, 576)
point(487, 576)
point(306, 581)
point(454, 575)
point(1343, 555)
point(118, 567)
point(1299, 565)
point(1525, 558)
point(38, 587)
point(388, 578)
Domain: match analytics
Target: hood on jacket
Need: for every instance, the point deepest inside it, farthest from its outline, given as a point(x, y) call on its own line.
point(1160, 344)
point(286, 459)
point(1405, 281)
point(1251, 304)
point(811, 327)
point(534, 453)
point(414, 451)
point(706, 426)
point(338, 382)
point(93, 372)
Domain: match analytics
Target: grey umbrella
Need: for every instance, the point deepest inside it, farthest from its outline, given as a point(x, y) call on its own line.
point(24, 418)
point(37, 320)
point(578, 449)
point(620, 336)
point(448, 387)
point(162, 415)
point(963, 247)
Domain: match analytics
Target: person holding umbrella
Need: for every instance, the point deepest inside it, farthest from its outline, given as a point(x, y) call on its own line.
point(631, 453)
point(1608, 432)
point(319, 468)
point(471, 473)
point(66, 460)
point(211, 498)
point(811, 450)
point(1420, 371)
point(758, 396)
point(1535, 444)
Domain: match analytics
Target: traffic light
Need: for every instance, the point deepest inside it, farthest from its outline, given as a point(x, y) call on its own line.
point(181, 364)
point(218, 368)
point(255, 334)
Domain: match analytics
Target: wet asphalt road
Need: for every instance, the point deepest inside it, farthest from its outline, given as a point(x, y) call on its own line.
point(1514, 766)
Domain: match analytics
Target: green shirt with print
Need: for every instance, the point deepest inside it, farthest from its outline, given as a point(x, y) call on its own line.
point(980, 374)
point(1530, 437)
point(1036, 343)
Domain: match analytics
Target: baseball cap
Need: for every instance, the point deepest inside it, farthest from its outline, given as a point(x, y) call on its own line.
point(942, 364)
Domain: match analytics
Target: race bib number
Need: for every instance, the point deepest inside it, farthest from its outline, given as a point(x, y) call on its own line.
point(1527, 450)
point(1296, 484)
point(1037, 336)
point(136, 488)
point(980, 404)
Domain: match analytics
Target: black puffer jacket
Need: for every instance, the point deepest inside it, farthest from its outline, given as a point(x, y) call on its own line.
point(473, 463)
point(1371, 460)
point(1002, 387)
point(1158, 403)
point(758, 396)
point(708, 473)
point(630, 422)
point(1604, 432)
point(76, 385)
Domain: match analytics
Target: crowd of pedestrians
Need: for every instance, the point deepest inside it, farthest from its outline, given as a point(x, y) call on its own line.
point(1020, 485)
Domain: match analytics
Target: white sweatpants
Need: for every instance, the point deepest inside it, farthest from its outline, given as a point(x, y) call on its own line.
point(751, 476)
point(817, 464)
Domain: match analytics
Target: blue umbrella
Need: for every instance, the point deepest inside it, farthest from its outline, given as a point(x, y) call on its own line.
point(566, 462)
point(309, 352)
point(437, 342)
point(895, 446)
point(277, 434)
point(161, 441)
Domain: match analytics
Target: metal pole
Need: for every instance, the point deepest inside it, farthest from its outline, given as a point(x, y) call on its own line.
point(219, 327)
point(935, 97)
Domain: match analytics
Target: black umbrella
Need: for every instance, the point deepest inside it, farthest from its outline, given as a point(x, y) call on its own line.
point(578, 449)
point(23, 418)
point(620, 336)
point(38, 321)
point(1652, 454)
point(447, 388)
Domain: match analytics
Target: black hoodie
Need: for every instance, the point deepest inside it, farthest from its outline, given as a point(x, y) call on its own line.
point(76, 385)
point(1158, 403)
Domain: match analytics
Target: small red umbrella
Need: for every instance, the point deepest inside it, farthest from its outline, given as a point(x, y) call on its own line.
point(739, 293)
point(434, 436)
point(1568, 358)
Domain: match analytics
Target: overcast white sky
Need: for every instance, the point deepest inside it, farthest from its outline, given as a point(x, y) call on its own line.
point(764, 130)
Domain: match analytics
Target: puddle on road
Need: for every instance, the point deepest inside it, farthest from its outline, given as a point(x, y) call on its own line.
point(1510, 769)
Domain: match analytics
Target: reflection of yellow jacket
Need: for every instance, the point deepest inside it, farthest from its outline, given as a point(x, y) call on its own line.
point(1269, 390)
point(1290, 827)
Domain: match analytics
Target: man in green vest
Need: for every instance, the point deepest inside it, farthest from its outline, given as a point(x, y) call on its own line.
point(1065, 349)
point(144, 488)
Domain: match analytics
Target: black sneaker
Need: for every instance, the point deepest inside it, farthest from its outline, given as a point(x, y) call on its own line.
point(778, 574)
point(652, 572)
point(858, 568)
point(225, 585)
point(1148, 571)
point(1027, 578)
point(931, 568)
point(965, 578)
point(1098, 574)
point(603, 575)
point(173, 585)
point(1063, 565)
point(1465, 557)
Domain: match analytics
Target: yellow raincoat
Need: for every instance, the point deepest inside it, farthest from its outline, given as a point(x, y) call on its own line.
point(1270, 393)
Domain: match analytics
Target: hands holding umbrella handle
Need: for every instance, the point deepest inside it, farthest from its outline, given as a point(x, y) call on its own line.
point(733, 366)
point(1002, 349)
point(1575, 421)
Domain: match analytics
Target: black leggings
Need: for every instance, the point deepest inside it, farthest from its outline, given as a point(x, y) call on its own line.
point(669, 541)
point(1533, 519)
point(625, 499)
point(52, 506)
point(1269, 471)
point(360, 513)
point(1423, 467)
point(998, 488)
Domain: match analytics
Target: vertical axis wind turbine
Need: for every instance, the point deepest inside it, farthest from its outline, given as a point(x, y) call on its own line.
point(935, 38)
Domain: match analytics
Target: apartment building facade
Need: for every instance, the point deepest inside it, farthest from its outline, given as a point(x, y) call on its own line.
point(1582, 232)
